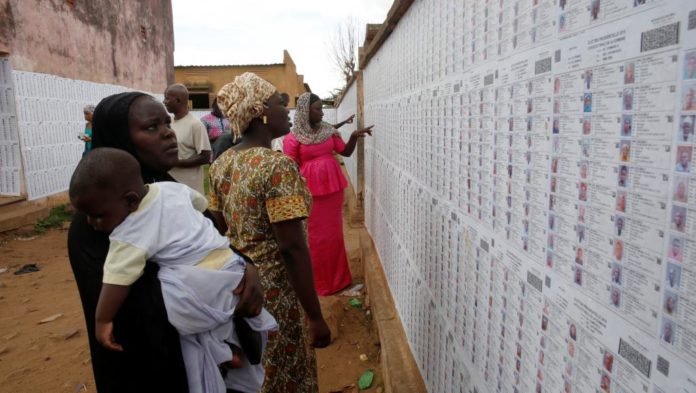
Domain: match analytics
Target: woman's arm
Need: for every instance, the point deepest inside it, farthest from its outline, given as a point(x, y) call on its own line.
point(293, 248)
point(291, 148)
point(349, 120)
point(350, 145)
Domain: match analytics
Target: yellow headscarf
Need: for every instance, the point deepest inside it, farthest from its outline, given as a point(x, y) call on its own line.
point(242, 100)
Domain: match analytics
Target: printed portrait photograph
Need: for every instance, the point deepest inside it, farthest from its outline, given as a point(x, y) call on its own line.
point(678, 220)
point(680, 193)
point(689, 97)
point(670, 303)
point(675, 249)
point(628, 99)
point(629, 73)
point(616, 273)
point(690, 65)
point(673, 275)
point(684, 157)
point(686, 129)
point(667, 331)
point(627, 125)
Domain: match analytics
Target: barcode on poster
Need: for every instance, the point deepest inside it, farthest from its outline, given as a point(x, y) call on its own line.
point(692, 20)
point(542, 66)
point(662, 365)
point(633, 356)
point(534, 281)
point(659, 37)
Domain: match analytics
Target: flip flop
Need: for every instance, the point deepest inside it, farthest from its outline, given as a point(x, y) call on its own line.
point(28, 268)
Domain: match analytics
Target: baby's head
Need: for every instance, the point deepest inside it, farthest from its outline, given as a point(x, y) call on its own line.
point(107, 187)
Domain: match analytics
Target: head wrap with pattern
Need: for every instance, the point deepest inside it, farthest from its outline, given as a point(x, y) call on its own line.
point(242, 100)
point(303, 131)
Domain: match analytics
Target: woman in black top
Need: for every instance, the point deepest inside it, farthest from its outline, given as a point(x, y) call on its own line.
point(151, 360)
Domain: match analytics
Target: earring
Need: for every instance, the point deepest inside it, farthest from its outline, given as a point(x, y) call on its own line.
point(265, 119)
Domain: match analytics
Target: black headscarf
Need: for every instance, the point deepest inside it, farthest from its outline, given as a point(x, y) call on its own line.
point(110, 129)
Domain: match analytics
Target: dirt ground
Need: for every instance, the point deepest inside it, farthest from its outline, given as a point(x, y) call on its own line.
point(53, 356)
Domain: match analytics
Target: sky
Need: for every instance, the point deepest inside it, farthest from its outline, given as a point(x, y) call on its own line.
point(209, 32)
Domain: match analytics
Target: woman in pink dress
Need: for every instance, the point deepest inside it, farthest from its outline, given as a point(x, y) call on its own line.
point(311, 144)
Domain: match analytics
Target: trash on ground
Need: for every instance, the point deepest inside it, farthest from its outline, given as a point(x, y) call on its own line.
point(363, 357)
point(28, 268)
point(365, 380)
point(353, 291)
point(51, 318)
point(3, 270)
point(65, 335)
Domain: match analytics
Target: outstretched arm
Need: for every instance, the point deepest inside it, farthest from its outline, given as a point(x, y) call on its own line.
point(349, 120)
point(199, 159)
point(350, 145)
point(111, 299)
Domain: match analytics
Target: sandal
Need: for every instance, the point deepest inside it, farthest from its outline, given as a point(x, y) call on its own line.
point(28, 268)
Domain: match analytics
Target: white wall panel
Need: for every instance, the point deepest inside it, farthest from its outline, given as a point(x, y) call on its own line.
point(348, 107)
point(531, 241)
point(10, 162)
point(50, 117)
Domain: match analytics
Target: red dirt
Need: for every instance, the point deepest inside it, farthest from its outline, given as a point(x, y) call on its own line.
point(54, 356)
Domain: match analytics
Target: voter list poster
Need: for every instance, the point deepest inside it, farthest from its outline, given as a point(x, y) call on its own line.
point(10, 162)
point(531, 192)
point(49, 119)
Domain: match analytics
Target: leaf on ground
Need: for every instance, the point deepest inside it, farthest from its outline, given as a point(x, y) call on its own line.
point(51, 318)
point(365, 380)
point(355, 302)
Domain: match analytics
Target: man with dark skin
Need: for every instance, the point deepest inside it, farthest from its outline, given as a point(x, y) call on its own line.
point(284, 99)
point(191, 136)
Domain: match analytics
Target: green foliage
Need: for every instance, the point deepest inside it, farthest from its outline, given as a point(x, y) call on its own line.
point(355, 302)
point(55, 219)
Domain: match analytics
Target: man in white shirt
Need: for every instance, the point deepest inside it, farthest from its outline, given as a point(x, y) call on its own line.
point(191, 136)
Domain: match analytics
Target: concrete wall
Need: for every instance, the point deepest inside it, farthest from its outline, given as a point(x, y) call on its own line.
point(211, 78)
point(58, 56)
point(127, 43)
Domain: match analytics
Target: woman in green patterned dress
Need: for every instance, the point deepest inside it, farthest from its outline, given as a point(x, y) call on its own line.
point(260, 196)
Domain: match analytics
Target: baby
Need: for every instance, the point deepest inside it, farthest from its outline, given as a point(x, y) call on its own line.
point(163, 223)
